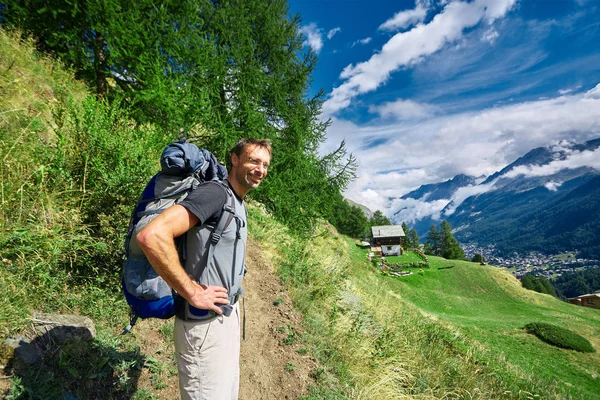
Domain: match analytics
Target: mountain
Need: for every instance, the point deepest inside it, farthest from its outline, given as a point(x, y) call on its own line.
point(443, 190)
point(368, 213)
point(544, 201)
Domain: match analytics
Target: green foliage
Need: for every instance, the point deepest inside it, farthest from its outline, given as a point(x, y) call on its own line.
point(349, 220)
point(539, 284)
point(560, 337)
point(478, 258)
point(379, 219)
point(218, 71)
point(413, 239)
point(575, 284)
point(442, 243)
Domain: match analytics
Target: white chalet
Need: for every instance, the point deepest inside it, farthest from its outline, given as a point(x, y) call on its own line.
point(389, 238)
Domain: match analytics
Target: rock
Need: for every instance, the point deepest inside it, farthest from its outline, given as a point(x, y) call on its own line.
point(24, 352)
point(62, 328)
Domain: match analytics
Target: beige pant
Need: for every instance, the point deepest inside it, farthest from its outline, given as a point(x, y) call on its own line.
point(208, 357)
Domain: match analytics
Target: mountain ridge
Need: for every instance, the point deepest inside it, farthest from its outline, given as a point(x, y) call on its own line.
point(515, 208)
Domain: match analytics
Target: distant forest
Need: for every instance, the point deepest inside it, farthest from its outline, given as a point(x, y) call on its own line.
point(566, 286)
point(578, 283)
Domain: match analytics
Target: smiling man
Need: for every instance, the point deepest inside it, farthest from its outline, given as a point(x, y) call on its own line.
point(207, 327)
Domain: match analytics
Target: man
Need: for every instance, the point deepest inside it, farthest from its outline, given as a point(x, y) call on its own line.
point(207, 327)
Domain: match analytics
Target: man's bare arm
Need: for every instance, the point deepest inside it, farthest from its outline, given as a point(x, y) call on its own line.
point(157, 240)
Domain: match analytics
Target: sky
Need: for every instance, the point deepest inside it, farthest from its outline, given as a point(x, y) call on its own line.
point(424, 90)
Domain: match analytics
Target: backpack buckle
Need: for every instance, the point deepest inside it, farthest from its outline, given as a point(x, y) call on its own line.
point(214, 238)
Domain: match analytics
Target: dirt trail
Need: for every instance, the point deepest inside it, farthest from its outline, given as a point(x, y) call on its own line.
point(270, 368)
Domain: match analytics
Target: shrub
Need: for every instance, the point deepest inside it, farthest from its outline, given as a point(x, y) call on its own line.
point(560, 337)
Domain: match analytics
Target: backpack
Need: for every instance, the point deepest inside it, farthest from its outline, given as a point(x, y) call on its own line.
point(183, 168)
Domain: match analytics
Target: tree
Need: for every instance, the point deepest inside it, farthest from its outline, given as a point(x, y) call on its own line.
point(538, 284)
point(450, 247)
point(379, 219)
point(414, 240)
point(351, 221)
point(407, 243)
point(478, 258)
point(434, 242)
point(216, 71)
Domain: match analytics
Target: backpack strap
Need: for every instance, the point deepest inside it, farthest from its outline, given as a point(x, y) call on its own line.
point(227, 216)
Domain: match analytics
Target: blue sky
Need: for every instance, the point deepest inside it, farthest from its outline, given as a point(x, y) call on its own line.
point(427, 89)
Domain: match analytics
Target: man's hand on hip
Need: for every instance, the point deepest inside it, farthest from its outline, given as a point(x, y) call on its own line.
point(208, 297)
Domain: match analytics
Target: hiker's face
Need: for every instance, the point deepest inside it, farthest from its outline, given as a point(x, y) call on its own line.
point(251, 166)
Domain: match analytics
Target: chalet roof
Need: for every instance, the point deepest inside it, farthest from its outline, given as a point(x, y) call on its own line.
point(586, 296)
point(386, 231)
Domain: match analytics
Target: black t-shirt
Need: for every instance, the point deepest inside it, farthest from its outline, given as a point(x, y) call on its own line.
point(207, 201)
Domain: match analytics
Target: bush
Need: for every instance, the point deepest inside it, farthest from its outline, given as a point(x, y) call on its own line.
point(560, 337)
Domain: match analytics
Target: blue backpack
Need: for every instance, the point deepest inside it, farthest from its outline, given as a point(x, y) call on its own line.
point(184, 167)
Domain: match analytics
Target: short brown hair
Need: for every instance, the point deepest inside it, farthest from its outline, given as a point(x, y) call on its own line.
point(239, 147)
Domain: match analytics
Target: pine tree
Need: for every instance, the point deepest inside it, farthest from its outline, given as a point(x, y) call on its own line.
point(414, 239)
point(450, 247)
point(379, 219)
point(434, 241)
point(407, 242)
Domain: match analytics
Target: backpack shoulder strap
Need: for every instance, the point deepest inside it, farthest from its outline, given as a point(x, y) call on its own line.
point(227, 215)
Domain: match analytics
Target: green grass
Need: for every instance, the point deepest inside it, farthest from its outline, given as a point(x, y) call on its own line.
point(488, 305)
point(407, 257)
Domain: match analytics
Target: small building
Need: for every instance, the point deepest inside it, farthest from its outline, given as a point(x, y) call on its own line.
point(587, 300)
point(390, 238)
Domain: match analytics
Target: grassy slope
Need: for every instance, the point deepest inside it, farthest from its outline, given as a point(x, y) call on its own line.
point(490, 306)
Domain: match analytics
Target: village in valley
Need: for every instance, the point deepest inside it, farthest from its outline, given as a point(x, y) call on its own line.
point(549, 266)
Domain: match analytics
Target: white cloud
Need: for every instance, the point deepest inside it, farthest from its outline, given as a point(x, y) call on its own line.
point(553, 186)
point(593, 93)
point(568, 90)
point(406, 18)
point(366, 40)
point(407, 48)
point(490, 35)
point(574, 160)
point(403, 109)
point(464, 193)
point(313, 37)
point(332, 32)
point(411, 210)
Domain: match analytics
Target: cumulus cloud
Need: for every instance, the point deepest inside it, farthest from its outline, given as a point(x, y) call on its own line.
point(464, 193)
point(332, 32)
point(411, 210)
point(410, 47)
point(313, 37)
point(406, 18)
point(403, 109)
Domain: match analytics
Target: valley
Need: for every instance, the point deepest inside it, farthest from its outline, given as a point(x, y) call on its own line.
point(549, 266)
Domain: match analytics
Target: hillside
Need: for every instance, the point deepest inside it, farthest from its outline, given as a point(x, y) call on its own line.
point(322, 321)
